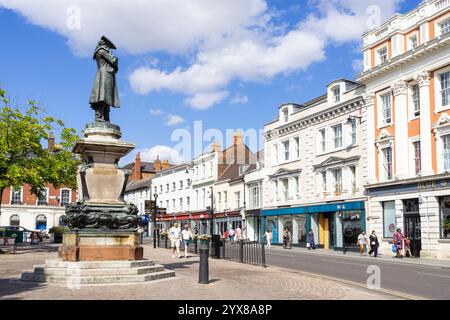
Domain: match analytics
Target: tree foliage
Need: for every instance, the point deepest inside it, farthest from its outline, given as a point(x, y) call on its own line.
point(24, 159)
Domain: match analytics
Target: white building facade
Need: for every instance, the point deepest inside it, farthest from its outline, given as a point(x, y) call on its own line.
point(407, 79)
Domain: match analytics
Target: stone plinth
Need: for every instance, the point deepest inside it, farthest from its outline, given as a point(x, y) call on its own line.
point(100, 245)
point(76, 274)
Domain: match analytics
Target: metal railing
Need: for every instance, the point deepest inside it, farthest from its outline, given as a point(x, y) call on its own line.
point(248, 252)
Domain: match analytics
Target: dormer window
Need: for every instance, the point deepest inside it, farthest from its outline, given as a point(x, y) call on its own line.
point(286, 115)
point(336, 94)
point(444, 27)
point(383, 55)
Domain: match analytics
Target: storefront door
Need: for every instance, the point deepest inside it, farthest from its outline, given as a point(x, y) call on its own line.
point(413, 226)
point(272, 226)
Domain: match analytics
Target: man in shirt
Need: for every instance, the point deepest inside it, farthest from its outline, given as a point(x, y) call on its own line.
point(174, 237)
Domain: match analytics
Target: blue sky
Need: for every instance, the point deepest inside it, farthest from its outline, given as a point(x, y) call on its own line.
point(227, 64)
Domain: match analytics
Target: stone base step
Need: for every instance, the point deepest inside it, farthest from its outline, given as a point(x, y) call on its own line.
point(43, 270)
point(58, 263)
point(75, 280)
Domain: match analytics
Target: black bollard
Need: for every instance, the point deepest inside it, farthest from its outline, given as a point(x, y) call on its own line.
point(203, 272)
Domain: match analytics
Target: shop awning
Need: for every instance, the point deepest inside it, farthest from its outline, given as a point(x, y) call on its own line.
point(328, 207)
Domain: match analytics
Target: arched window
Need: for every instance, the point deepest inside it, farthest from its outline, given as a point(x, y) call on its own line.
point(41, 222)
point(14, 220)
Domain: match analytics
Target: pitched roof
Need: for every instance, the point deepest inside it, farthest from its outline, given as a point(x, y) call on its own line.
point(145, 166)
point(138, 184)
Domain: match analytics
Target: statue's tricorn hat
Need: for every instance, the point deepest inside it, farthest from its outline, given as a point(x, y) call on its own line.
point(111, 45)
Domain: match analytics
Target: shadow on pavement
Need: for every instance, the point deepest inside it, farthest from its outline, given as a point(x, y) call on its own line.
point(179, 264)
point(12, 286)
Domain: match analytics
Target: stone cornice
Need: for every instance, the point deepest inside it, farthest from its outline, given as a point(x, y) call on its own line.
point(330, 113)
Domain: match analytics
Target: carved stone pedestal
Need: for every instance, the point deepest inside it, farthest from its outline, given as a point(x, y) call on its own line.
point(101, 246)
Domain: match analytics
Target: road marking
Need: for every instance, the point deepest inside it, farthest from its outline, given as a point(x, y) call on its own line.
point(352, 263)
point(433, 275)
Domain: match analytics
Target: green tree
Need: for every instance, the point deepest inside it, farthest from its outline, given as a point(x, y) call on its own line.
point(23, 158)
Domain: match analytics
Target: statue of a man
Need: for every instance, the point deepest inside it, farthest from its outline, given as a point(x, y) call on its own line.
point(104, 93)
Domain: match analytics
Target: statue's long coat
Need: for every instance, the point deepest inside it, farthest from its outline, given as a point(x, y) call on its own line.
point(105, 87)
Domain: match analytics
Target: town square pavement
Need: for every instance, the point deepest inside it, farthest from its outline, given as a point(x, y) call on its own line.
point(228, 280)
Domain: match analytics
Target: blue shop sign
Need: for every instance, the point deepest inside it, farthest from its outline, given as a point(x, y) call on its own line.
point(144, 219)
point(332, 207)
point(430, 185)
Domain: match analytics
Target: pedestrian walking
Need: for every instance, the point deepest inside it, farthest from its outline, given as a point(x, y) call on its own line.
point(407, 245)
point(268, 235)
point(187, 236)
point(311, 244)
point(286, 239)
point(238, 233)
point(232, 234)
point(398, 243)
point(174, 237)
point(225, 235)
point(374, 244)
point(362, 242)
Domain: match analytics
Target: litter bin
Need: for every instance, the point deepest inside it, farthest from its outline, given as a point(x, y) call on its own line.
point(216, 244)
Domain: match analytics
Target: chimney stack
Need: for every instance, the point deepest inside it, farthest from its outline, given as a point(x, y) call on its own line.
point(157, 164)
point(165, 164)
point(137, 167)
point(215, 147)
point(239, 148)
point(51, 142)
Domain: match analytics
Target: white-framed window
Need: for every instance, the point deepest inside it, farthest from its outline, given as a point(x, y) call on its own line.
point(225, 199)
point(204, 171)
point(174, 185)
point(155, 190)
point(196, 173)
point(387, 163)
point(415, 100)
point(296, 187)
point(322, 140)
point(337, 132)
point(444, 27)
point(445, 88)
point(219, 200)
point(336, 94)
point(196, 200)
point(352, 170)
point(167, 187)
point(386, 108)
point(324, 181)
point(446, 151)
point(285, 185)
point(382, 55)
point(43, 200)
point(297, 147)
point(285, 114)
point(181, 204)
point(188, 183)
point(188, 203)
point(417, 158)
point(167, 205)
point(275, 187)
point(16, 195)
point(161, 189)
point(337, 181)
point(275, 154)
point(173, 205)
point(237, 199)
point(353, 132)
point(181, 184)
point(211, 169)
point(286, 150)
point(255, 195)
point(64, 197)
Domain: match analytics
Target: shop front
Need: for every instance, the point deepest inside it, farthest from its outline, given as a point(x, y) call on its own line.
point(335, 225)
point(420, 207)
point(252, 222)
point(225, 220)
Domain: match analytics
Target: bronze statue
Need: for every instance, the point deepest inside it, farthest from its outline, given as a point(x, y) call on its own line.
point(104, 92)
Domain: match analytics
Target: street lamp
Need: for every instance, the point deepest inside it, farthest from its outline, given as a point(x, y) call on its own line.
point(155, 207)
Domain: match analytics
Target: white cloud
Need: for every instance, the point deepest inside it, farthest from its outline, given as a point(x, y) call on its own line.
point(239, 98)
point(156, 112)
point(139, 26)
point(221, 41)
point(202, 101)
point(358, 65)
point(164, 153)
point(173, 120)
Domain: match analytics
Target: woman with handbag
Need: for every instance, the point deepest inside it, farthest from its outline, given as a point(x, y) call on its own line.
point(374, 244)
point(398, 242)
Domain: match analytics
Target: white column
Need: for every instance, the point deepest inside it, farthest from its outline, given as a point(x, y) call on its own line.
point(401, 129)
point(425, 124)
point(369, 100)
